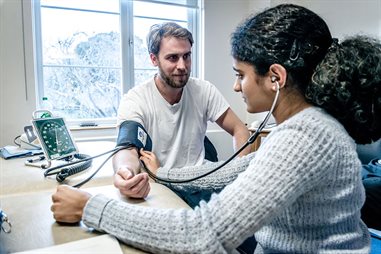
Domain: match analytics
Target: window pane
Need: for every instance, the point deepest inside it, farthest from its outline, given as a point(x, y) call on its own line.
point(81, 60)
point(83, 92)
point(97, 5)
point(94, 35)
point(166, 11)
point(191, 3)
point(141, 59)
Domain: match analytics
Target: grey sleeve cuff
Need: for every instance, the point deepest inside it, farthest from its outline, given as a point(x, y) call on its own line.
point(162, 173)
point(93, 211)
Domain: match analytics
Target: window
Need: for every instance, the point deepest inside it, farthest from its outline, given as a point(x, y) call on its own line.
point(90, 52)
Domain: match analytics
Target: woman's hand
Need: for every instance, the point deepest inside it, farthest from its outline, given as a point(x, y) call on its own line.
point(68, 204)
point(150, 160)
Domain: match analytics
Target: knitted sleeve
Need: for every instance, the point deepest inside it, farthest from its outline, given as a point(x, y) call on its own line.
point(289, 163)
point(216, 180)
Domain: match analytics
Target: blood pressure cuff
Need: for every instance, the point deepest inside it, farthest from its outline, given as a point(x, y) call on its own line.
point(133, 134)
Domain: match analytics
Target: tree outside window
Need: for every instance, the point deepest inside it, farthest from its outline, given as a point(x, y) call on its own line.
point(79, 51)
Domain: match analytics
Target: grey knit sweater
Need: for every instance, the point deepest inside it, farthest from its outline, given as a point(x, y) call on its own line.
point(300, 193)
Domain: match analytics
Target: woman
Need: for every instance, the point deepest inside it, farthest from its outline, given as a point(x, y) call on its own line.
point(302, 191)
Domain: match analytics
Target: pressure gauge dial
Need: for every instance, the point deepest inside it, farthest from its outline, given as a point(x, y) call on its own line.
point(54, 137)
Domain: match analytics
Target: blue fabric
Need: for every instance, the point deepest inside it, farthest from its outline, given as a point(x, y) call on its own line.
point(371, 211)
point(375, 246)
point(193, 196)
point(372, 169)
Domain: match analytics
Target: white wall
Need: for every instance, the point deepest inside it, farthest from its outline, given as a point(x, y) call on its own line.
point(221, 18)
point(17, 93)
point(345, 17)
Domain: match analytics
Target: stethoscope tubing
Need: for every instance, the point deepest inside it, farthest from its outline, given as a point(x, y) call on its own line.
point(251, 140)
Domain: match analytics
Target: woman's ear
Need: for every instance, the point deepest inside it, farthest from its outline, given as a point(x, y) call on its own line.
point(278, 74)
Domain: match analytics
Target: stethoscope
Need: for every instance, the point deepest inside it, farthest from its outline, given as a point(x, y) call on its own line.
point(251, 140)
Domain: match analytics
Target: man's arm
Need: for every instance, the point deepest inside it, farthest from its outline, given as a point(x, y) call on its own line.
point(230, 122)
point(127, 158)
point(128, 178)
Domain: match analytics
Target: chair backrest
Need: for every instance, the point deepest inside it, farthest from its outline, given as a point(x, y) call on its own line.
point(210, 150)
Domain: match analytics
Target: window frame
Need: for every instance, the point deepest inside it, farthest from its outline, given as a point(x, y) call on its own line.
point(126, 23)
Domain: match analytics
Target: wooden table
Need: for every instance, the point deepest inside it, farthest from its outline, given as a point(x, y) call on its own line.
point(33, 225)
point(25, 196)
point(15, 177)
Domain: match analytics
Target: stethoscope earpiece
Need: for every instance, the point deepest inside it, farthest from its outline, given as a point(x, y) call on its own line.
point(276, 86)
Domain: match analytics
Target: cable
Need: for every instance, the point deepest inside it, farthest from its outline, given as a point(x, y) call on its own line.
point(14, 141)
point(78, 185)
point(251, 140)
point(34, 147)
point(72, 170)
point(205, 174)
point(62, 174)
point(49, 172)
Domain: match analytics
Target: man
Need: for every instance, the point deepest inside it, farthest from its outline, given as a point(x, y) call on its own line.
point(174, 109)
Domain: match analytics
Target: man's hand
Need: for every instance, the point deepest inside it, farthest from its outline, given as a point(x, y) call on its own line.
point(133, 186)
point(68, 204)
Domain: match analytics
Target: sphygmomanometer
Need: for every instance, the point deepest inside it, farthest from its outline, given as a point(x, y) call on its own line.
point(58, 144)
point(133, 134)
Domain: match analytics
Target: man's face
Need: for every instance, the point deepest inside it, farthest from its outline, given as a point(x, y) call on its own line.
point(174, 61)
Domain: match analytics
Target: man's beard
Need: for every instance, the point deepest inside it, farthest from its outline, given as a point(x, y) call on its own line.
point(170, 81)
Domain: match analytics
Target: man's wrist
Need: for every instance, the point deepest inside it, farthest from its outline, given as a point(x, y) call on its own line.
point(124, 167)
point(129, 168)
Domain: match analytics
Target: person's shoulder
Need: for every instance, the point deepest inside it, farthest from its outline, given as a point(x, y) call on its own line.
point(144, 86)
point(318, 116)
point(141, 89)
point(197, 83)
point(310, 116)
point(317, 121)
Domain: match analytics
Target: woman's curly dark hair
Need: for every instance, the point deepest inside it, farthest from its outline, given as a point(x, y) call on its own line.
point(287, 34)
point(347, 84)
point(342, 79)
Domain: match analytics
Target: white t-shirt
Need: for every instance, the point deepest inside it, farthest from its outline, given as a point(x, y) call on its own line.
point(177, 131)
